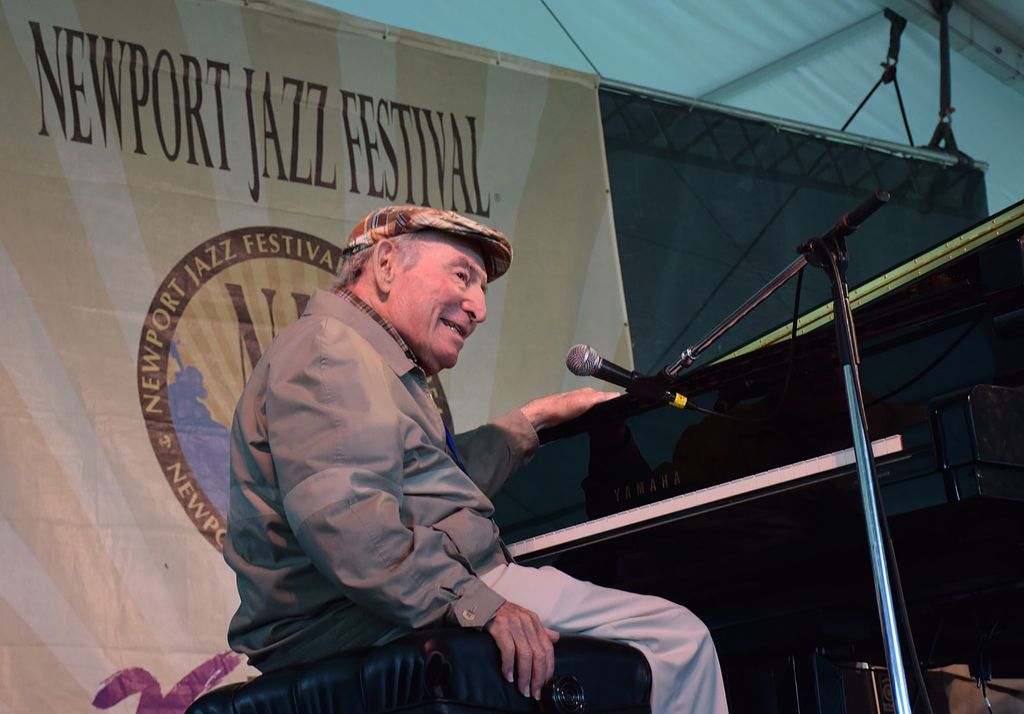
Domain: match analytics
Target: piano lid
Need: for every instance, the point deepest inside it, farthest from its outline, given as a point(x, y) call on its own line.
point(905, 285)
point(925, 263)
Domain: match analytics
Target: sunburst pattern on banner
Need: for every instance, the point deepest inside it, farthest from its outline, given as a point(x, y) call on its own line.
point(112, 446)
point(209, 337)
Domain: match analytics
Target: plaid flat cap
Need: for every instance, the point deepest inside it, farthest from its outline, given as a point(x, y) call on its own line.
point(391, 221)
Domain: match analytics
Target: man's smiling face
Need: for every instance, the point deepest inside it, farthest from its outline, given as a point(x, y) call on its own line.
point(437, 298)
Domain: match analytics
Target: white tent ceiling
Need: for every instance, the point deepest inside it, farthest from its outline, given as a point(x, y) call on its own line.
point(806, 61)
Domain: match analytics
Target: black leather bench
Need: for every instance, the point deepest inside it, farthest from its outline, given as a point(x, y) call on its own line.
point(442, 671)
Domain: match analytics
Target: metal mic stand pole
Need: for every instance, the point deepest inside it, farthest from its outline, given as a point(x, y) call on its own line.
point(829, 253)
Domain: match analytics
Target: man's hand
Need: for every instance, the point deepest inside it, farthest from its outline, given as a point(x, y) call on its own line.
point(557, 408)
point(525, 643)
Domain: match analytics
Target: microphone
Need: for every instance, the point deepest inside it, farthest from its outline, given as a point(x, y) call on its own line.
point(584, 361)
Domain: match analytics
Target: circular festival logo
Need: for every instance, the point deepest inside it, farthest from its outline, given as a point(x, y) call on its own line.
point(209, 322)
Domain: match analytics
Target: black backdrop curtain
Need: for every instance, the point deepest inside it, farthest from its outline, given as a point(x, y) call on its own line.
point(709, 206)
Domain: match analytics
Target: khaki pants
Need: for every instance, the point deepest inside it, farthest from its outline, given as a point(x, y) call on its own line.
point(684, 664)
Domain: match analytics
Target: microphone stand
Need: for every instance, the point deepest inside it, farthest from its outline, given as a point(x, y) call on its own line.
point(828, 252)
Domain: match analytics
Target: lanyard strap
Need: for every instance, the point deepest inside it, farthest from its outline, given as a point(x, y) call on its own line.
point(452, 451)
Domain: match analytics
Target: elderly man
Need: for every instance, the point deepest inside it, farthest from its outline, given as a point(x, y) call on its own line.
point(356, 516)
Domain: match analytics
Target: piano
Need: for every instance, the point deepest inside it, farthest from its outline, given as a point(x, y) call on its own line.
point(754, 520)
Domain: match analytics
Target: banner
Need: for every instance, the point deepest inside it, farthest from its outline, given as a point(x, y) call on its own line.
point(176, 180)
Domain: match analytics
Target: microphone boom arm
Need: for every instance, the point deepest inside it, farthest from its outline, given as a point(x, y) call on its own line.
point(847, 224)
point(690, 354)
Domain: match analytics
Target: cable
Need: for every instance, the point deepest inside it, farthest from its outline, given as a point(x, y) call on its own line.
point(571, 38)
point(929, 367)
point(790, 361)
point(984, 694)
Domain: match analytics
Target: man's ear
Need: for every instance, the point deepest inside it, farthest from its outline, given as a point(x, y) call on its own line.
point(384, 262)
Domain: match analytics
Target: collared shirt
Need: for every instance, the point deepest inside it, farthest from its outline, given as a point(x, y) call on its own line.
point(378, 318)
point(433, 383)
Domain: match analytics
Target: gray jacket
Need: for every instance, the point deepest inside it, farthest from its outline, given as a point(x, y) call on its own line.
point(347, 514)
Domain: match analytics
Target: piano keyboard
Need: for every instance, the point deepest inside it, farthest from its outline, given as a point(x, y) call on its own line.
point(687, 504)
